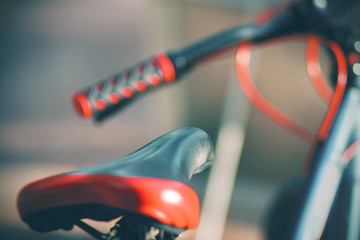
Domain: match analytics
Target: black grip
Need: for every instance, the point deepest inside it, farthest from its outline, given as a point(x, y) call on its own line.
point(109, 95)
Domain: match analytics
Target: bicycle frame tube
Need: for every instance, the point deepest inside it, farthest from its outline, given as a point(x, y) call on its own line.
point(343, 220)
point(327, 169)
point(354, 207)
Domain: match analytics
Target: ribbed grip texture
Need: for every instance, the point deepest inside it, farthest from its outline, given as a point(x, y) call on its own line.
point(109, 95)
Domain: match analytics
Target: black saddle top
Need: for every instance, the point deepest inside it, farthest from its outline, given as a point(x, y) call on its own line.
point(150, 183)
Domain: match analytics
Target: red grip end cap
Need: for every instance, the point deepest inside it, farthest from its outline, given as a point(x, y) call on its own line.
point(82, 105)
point(166, 66)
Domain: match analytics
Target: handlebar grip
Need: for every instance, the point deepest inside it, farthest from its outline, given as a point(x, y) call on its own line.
point(109, 95)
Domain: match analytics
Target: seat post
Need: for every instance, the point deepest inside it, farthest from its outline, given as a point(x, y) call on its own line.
point(94, 232)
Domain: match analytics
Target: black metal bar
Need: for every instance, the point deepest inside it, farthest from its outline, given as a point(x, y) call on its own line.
point(284, 24)
point(90, 230)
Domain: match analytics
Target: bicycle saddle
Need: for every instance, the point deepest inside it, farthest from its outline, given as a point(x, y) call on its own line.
point(149, 184)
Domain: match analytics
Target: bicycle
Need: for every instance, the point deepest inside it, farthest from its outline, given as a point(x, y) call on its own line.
point(90, 193)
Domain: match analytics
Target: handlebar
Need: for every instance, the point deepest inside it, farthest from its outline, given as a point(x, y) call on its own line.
point(107, 96)
point(295, 18)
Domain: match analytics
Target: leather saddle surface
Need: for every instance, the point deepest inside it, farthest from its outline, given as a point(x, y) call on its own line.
point(149, 184)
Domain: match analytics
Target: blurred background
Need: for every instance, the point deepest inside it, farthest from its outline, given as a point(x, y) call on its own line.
point(49, 49)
